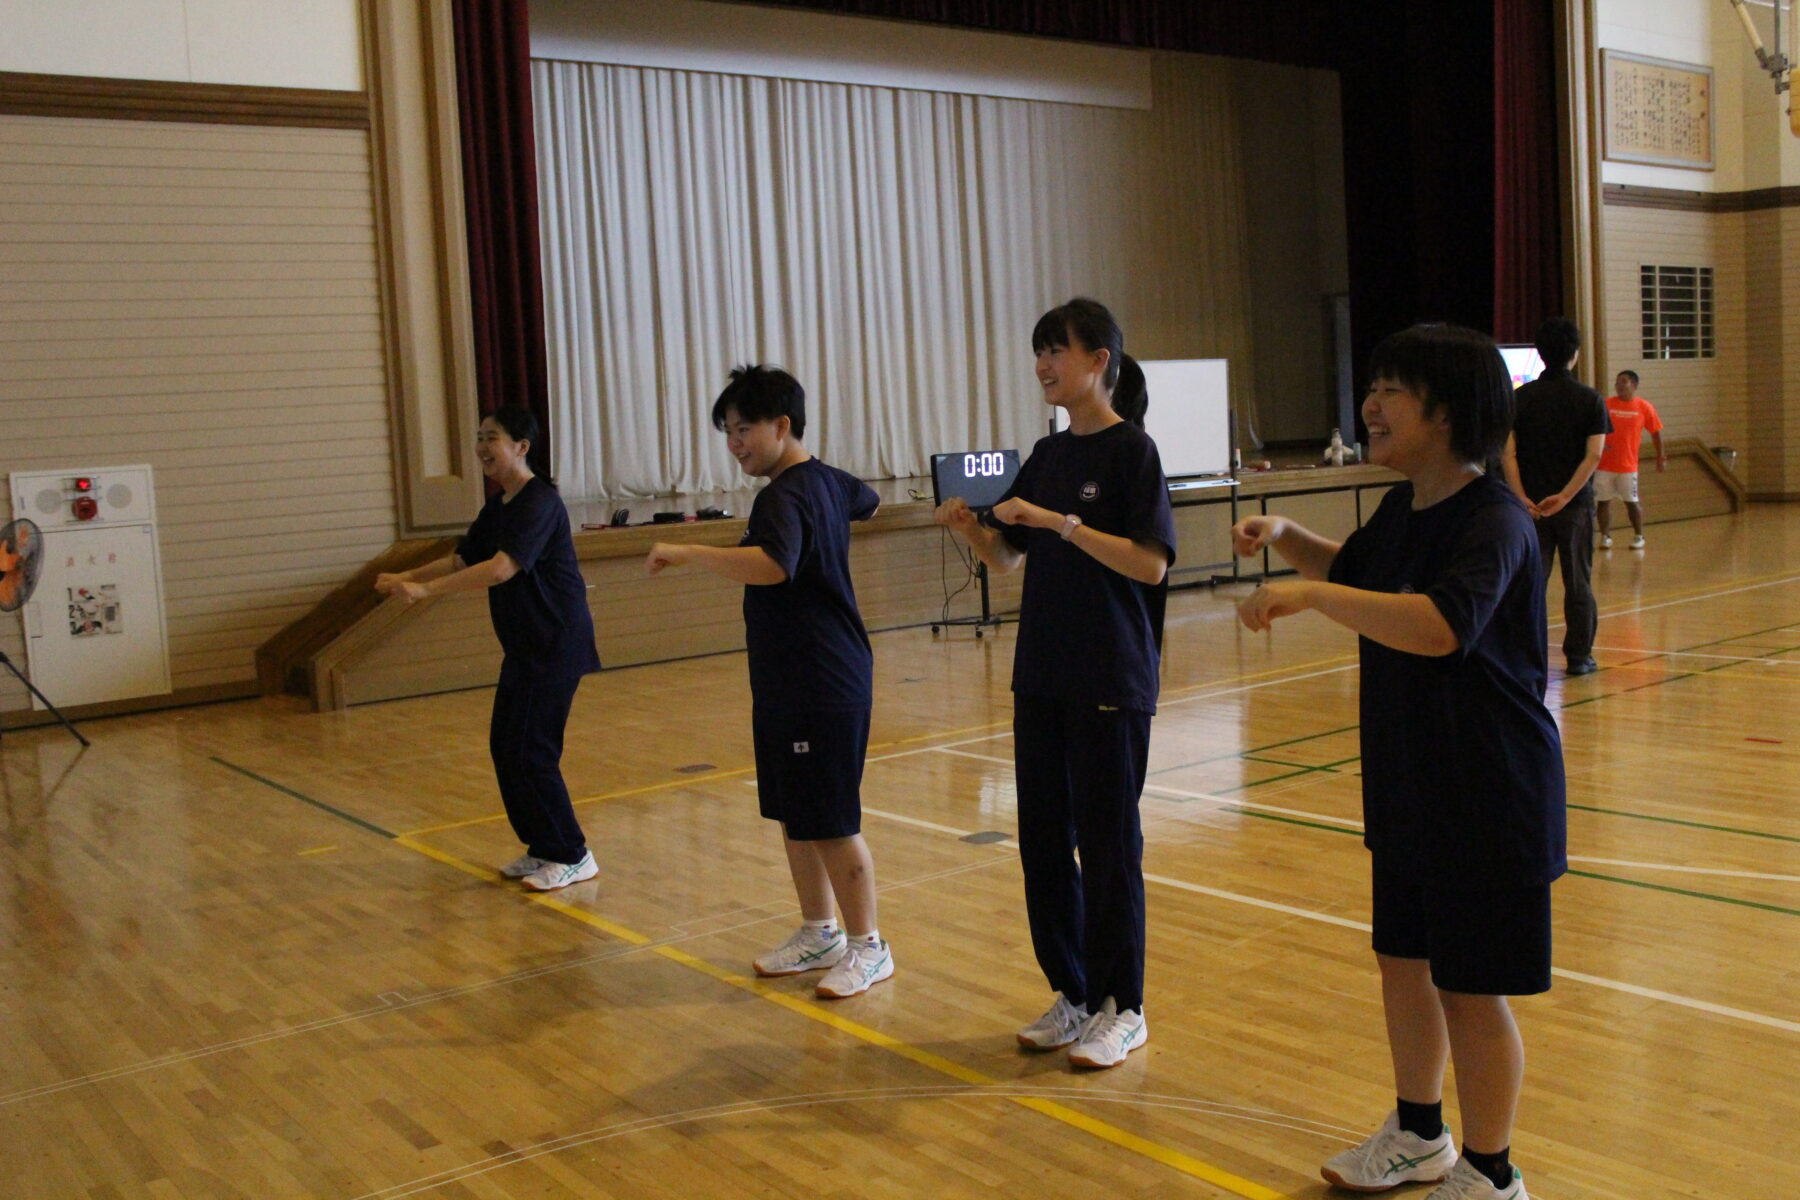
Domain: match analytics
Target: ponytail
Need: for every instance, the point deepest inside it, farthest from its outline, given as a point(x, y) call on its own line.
point(1130, 397)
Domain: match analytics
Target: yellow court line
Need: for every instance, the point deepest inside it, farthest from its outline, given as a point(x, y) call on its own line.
point(619, 795)
point(1187, 1164)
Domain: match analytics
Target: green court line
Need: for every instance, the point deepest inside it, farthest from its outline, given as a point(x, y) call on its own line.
point(1619, 812)
point(1638, 883)
point(1276, 762)
point(1201, 762)
point(339, 813)
point(1244, 787)
point(1663, 887)
point(1263, 816)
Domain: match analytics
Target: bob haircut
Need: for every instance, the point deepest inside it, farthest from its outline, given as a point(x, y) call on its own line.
point(1458, 371)
point(762, 393)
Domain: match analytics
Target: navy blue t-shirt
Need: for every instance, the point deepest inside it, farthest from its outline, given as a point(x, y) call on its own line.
point(1462, 764)
point(1087, 634)
point(808, 648)
point(541, 614)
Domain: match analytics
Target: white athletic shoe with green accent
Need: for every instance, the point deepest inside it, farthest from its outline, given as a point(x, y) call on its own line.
point(521, 866)
point(1109, 1036)
point(1466, 1183)
point(1060, 1025)
point(862, 967)
point(1390, 1157)
point(553, 875)
point(806, 950)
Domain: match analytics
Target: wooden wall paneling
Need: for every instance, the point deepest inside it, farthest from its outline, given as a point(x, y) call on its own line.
point(424, 264)
point(203, 297)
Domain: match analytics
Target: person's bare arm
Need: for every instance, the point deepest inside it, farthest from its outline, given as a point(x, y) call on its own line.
point(1146, 562)
point(740, 564)
point(989, 545)
point(480, 577)
point(1557, 501)
point(1298, 546)
point(1406, 622)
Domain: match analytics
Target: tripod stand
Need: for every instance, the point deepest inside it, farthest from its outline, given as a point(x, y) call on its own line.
point(987, 616)
point(76, 733)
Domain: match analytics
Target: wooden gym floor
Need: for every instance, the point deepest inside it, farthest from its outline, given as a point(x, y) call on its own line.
point(252, 951)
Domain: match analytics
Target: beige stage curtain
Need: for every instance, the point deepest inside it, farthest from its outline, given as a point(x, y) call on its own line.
point(890, 247)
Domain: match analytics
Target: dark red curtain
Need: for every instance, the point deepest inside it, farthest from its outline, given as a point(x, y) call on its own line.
point(1528, 263)
point(499, 157)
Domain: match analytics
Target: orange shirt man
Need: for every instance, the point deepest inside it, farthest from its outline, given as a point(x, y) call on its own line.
point(1616, 478)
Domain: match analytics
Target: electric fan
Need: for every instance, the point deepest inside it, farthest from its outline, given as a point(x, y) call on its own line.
point(21, 558)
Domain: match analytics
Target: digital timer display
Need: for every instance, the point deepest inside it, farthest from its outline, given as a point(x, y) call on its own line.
point(980, 477)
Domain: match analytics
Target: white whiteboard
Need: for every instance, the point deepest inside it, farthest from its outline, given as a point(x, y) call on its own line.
point(1189, 417)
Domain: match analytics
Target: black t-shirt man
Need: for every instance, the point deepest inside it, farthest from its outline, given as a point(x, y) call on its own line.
point(807, 645)
point(541, 614)
point(1088, 634)
point(1462, 764)
point(1554, 416)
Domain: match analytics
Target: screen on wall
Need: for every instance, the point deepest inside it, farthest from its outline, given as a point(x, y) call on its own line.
point(1523, 363)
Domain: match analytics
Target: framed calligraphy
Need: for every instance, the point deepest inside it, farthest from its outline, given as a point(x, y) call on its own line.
point(1656, 111)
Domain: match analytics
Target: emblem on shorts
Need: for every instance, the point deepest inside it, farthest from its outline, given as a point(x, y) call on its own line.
point(802, 747)
point(1090, 490)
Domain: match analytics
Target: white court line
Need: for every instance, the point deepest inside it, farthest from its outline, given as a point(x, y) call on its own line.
point(1748, 587)
point(1632, 989)
point(738, 1108)
point(1169, 793)
point(1251, 687)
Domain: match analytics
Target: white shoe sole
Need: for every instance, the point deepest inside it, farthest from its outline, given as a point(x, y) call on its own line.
point(579, 877)
point(1335, 1180)
point(887, 971)
point(1031, 1044)
point(1091, 1064)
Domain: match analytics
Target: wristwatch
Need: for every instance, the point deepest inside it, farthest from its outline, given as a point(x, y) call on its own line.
point(1070, 524)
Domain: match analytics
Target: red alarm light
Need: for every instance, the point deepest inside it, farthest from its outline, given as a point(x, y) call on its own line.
point(84, 485)
point(85, 508)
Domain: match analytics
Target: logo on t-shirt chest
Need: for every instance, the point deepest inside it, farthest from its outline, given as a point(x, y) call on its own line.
point(1090, 491)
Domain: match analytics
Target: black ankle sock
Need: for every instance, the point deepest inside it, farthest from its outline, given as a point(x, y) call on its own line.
point(1497, 1167)
point(1422, 1120)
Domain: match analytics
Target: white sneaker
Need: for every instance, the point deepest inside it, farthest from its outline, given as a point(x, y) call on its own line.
point(1060, 1025)
point(553, 875)
point(521, 866)
point(1108, 1036)
point(1606, 541)
point(861, 968)
point(805, 950)
point(1392, 1156)
point(1637, 543)
point(1466, 1183)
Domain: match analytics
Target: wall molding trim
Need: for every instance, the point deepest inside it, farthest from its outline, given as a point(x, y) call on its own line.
point(1628, 195)
point(29, 95)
